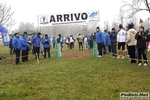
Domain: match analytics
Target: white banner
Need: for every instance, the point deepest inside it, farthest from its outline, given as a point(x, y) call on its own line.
point(68, 18)
point(6, 37)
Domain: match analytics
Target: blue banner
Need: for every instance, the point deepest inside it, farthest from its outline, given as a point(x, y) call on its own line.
point(5, 35)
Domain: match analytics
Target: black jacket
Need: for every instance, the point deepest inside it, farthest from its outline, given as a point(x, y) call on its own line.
point(141, 40)
point(113, 37)
point(10, 44)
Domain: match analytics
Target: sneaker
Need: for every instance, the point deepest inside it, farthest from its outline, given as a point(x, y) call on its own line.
point(145, 64)
point(140, 64)
point(118, 57)
point(99, 56)
point(122, 57)
point(113, 56)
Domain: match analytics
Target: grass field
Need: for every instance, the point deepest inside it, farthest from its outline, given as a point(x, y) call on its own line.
point(84, 78)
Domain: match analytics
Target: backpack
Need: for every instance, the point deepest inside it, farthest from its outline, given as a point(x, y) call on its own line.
point(2, 58)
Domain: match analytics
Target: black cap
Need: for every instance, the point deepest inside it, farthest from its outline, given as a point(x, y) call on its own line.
point(25, 33)
point(130, 26)
point(46, 35)
point(16, 34)
point(113, 28)
point(59, 35)
point(39, 33)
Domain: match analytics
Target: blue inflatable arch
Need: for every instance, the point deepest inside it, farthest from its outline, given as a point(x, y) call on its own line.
point(5, 35)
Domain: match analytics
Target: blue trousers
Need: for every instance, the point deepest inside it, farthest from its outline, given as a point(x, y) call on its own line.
point(113, 47)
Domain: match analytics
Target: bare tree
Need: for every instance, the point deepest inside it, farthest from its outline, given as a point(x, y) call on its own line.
point(115, 25)
point(6, 15)
point(26, 26)
point(121, 16)
point(135, 7)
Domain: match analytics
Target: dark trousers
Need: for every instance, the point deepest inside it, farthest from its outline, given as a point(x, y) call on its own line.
point(80, 45)
point(142, 52)
point(109, 47)
point(17, 56)
point(11, 51)
point(53, 45)
point(24, 54)
point(37, 51)
point(100, 47)
point(128, 49)
point(45, 51)
point(113, 48)
point(91, 44)
point(27, 53)
point(131, 50)
point(104, 49)
point(71, 45)
point(33, 51)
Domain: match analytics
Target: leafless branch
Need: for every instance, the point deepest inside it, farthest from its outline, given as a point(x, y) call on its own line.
point(6, 15)
point(134, 7)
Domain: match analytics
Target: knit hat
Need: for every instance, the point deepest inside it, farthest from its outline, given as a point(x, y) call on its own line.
point(130, 26)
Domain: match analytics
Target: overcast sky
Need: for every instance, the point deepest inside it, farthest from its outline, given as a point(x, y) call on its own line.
point(27, 10)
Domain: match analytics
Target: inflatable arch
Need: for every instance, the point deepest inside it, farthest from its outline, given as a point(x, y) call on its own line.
point(5, 35)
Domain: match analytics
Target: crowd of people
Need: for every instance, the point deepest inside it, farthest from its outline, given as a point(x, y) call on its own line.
point(136, 42)
point(21, 45)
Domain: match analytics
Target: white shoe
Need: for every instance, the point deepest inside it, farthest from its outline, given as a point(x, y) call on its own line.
point(118, 57)
point(99, 56)
point(122, 57)
point(140, 64)
point(113, 57)
point(145, 64)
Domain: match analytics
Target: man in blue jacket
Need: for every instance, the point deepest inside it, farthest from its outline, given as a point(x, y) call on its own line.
point(24, 46)
point(99, 41)
point(16, 43)
point(36, 41)
point(46, 44)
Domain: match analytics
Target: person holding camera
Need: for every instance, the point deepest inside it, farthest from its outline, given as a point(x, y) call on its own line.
point(36, 41)
point(46, 45)
point(141, 45)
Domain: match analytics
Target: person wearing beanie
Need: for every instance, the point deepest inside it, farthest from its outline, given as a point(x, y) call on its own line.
point(113, 39)
point(131, 42)
point(46, 45)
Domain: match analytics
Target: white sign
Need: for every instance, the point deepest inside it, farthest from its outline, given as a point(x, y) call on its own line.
point(6, 37)
point(68, 18)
